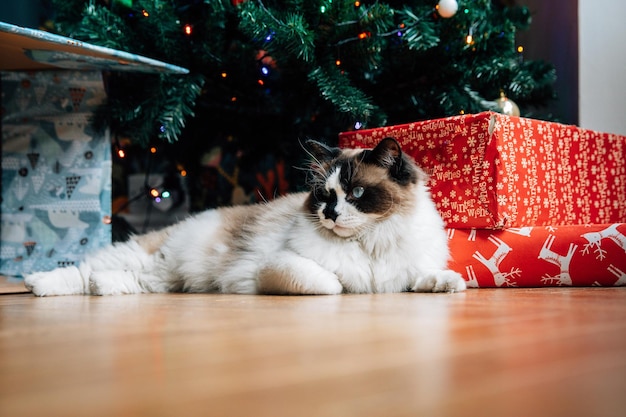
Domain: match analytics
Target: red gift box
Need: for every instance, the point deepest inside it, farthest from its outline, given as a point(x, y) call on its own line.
point(491, 171)
point(540, 256)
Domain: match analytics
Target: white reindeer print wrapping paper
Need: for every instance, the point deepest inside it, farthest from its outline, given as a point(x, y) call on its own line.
point(587, 255)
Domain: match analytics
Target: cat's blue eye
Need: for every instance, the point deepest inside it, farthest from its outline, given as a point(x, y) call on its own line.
point(357, 192)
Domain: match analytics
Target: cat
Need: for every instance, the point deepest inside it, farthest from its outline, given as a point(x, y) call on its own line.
point(366, 225)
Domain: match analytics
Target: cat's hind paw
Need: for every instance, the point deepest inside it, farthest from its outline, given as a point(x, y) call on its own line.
point(60, 281)
point(440, 281)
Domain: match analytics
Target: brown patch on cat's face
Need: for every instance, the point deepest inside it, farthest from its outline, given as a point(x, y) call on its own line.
point(351, 188)
point(380, 196)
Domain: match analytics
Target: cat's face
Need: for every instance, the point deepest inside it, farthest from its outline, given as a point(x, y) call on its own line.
point(353, 189)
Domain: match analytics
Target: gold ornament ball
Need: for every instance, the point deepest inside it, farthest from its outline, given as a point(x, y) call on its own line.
point(506, 106)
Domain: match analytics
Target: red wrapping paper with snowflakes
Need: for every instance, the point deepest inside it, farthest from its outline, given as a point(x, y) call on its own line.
point(490, 170)
point(541, 256)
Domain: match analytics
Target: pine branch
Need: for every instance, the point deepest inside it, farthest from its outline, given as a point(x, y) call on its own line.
point(418, 33)
point(532, 81)
point(349, 100)
point(181, 93)
point(68, 14)
point(102, 27)
point(289, 33)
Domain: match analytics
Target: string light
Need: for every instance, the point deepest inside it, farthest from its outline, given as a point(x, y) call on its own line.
point(121, 153)
point(357, 4)
point(338, 62)
point(401, 27)
point(224, 75)
point(188, 29)
point(181, 170)
point(145, 13)
point(470, 36)
point(364, 35)
point(153, 150)
point(158, 196)
point(520, 51)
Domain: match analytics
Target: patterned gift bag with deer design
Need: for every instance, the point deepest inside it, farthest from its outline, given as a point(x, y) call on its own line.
point(590, 255)
point(56, 170)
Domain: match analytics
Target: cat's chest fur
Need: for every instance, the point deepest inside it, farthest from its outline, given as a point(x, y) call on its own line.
point(376, 262)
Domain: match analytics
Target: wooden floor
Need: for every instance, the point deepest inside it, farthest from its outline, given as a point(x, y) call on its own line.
point(486, 352)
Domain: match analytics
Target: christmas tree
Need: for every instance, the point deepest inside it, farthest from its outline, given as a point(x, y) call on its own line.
point(340, 63)
point(265, 74)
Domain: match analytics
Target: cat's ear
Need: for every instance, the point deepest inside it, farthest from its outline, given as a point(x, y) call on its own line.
point(388, 154)
point(320, 152)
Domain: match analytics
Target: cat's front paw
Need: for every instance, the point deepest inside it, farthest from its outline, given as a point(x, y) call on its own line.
point(292, 274)
point(61, 281)
point(440, 281)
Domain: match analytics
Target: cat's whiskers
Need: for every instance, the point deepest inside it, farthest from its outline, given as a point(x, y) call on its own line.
point(260, 194)
point(317, 177)
point(311, 155)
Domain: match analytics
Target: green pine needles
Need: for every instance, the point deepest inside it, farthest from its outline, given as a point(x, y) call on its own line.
point(343, 63)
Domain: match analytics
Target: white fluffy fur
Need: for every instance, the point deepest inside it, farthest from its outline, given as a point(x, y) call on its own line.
point(286, 249)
